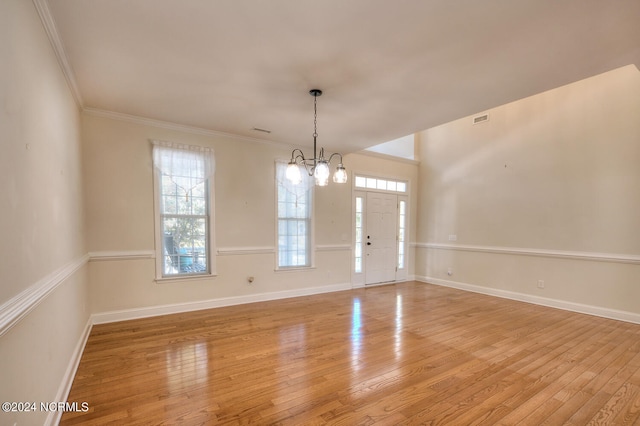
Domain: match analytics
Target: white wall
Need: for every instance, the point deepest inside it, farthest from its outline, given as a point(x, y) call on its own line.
point(44, 308)
point(403, 147)
point(119, 183)
point(547, 189)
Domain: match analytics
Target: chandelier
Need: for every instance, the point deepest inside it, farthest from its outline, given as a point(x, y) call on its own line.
point(318, 166)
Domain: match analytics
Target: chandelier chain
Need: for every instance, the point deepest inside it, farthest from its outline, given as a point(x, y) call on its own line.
point(315, 116)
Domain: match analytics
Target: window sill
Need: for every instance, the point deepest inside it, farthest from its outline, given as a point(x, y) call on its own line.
point(167, 280)
point(296, 269)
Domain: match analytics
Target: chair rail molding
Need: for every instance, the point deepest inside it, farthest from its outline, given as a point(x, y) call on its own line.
point(16, 308)
point(333, 247)
point(98, 256)
point(232, 251)
point(558, 254)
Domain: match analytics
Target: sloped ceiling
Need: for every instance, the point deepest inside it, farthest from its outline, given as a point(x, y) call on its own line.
point(387, 68)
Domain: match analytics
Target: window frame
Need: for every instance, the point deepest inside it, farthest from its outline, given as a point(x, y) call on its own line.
point(363, 182)
point(310, 264)
point(358, 240)
point(158, 218)
point(402, 249)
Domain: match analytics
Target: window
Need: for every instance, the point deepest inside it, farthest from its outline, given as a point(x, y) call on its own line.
point(380, 184)
point(294, 220)
point(184, 182)
point(402, 228)
point(359, 225)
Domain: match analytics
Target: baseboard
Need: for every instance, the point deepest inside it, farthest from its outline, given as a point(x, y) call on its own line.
point(537, 300)
point(67, 380)
point(152, 311)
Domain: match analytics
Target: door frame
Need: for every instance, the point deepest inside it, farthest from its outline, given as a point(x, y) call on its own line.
point(358, 276)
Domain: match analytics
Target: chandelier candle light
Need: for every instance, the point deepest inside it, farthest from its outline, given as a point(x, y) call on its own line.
point(318, 167)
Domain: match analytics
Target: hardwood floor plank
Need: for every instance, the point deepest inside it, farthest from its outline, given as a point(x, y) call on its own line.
point(407, 353)
point(625, 394)
point(630, 413)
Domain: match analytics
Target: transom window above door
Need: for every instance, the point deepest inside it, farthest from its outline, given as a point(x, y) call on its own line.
point(379, 184)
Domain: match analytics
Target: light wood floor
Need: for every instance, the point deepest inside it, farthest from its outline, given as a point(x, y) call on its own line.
point(409, 353)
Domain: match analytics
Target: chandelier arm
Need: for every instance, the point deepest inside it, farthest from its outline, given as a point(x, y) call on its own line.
point(335, 153)
point(309, 167)
point(300, 155)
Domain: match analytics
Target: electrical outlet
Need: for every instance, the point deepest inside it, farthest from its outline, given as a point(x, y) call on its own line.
point(453, 237)
point(540, 283)
point(450, 271)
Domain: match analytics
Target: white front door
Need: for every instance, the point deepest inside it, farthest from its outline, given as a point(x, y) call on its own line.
point(380, 237)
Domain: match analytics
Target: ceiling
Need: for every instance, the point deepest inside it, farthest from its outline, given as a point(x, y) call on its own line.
point(387, 68)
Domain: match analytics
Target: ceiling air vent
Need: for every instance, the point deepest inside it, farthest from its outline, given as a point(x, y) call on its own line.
point(257, 129)
point(481, 119)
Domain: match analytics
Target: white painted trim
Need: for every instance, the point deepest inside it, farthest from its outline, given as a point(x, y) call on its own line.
point(184, 277)
point(67, 380)
point(357, 278)
point(152, 311)
point(402, 274)
point(233, 251)
point(42, 6)
point(178, 127)
point(98, 256)
point(292, 269)
point(333, 247)
point(537, 300)
point(560, 254)
point(16, 308)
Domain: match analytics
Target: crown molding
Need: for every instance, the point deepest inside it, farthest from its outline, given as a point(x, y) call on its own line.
point(333, 247)
point(49, 24)
point(135, 119)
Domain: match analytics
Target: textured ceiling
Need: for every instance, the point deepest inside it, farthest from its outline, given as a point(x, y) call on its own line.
point(387, 68)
